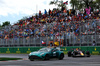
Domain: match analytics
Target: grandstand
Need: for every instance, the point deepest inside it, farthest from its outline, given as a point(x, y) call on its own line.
point(67, 28)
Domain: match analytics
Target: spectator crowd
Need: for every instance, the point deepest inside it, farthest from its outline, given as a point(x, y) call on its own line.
point(55, 23)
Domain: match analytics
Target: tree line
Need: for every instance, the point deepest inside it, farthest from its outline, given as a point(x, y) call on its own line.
point(5, 23)
point(78, 4)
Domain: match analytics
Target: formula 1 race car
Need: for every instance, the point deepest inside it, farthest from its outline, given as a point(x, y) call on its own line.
point(47, 53)
point(78, 53)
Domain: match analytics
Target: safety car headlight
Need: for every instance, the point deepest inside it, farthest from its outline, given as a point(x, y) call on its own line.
point(30, 53)
point(41, 53)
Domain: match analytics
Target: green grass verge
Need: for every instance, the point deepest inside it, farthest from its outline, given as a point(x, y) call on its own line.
point(7, 59)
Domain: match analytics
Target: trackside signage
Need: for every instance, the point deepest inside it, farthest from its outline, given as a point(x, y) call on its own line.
point(95, 52)
point(93, 49)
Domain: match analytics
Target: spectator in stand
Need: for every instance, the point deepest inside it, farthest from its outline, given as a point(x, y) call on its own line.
point(94, 43)
point(51, 44)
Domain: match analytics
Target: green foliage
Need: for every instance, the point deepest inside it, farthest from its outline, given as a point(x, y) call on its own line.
point(74, 3)
point(0, 25)
point(51, 2)
point(58, 3)
point(6, 23)
point(80, 4)
point(98, 1)
point(98, 4)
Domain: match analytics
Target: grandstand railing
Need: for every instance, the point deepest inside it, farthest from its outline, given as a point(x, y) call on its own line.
point(86, 40)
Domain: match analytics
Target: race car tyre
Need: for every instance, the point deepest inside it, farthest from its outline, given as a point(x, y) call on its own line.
point(88, 53)
point(46, 57)
point(74, 54)
point(61, 56)
point(69, 53)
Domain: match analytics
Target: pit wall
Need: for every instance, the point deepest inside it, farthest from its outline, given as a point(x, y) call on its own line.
point(18, 50)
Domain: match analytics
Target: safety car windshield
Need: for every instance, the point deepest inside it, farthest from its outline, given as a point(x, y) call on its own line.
point(44, 50)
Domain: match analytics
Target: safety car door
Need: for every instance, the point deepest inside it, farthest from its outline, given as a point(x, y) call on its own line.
point(54, 52)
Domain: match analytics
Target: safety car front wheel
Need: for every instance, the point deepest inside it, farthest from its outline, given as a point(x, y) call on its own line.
point(61, 56)
point(46, 57)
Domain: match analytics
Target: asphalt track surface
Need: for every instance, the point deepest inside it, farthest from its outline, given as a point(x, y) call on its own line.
point(94, 60)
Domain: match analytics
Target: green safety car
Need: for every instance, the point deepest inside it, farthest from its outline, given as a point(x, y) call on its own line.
point(47, 53)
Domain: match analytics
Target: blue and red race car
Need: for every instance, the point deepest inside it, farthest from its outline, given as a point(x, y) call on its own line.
point(78, 53)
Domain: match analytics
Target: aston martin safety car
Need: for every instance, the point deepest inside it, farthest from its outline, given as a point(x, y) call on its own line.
point(47, 53)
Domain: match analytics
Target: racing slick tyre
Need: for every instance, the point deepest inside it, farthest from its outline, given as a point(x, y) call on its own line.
point(74, 54)
point(88, 53)
point(47, 57)
point(69, 53)
point(61, 56)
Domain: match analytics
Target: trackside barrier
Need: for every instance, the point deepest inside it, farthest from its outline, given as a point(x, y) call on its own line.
point(93, 49)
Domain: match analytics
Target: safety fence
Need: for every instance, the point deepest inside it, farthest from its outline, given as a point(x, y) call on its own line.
point(72, 40)
point(19, 50)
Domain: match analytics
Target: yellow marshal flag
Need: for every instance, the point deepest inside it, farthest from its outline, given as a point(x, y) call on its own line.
point(56, 43)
